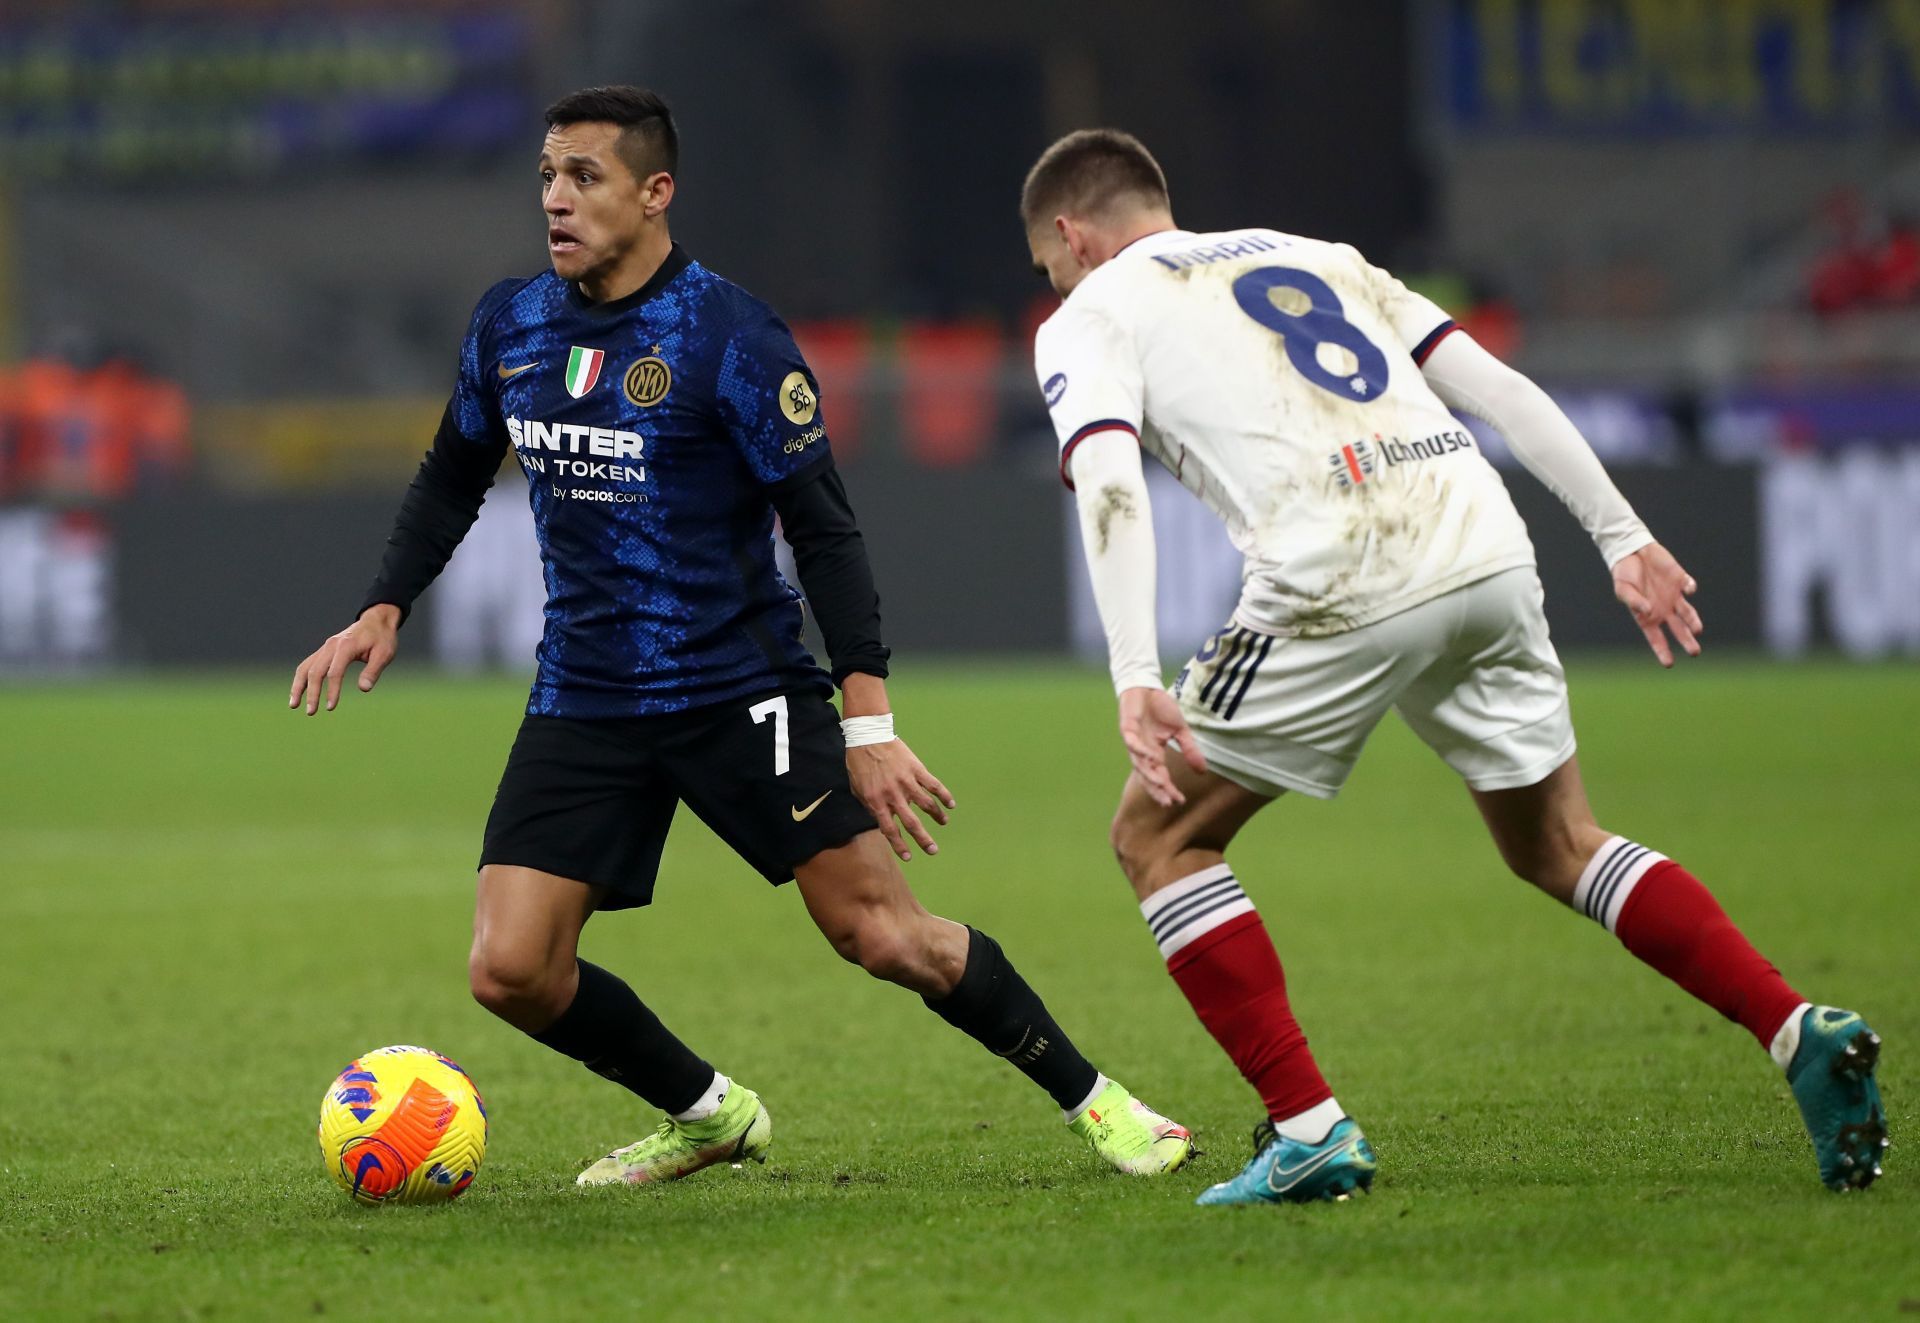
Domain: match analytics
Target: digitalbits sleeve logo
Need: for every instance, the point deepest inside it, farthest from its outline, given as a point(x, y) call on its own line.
point(797, 399)
point(1056, 387)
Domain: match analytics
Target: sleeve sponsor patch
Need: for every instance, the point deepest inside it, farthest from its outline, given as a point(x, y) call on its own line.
point(797, 399)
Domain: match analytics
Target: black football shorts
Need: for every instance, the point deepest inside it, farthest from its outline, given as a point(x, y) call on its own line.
point(592, 799)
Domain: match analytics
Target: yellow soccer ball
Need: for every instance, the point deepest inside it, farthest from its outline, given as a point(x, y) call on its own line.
point(403, 1125)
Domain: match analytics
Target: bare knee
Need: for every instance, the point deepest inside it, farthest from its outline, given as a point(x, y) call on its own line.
point(520, 986)
point(1154, 852)
point(877, 943)
point(526, 925)
point(914, 950)
point(845, 941)
point(860, 901)
point(1141, 851)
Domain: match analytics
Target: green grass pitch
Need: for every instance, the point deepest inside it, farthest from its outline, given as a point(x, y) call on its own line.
point(208, 905)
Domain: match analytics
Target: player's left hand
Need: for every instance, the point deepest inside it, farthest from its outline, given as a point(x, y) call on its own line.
point(1651, 584)
point(890, 781)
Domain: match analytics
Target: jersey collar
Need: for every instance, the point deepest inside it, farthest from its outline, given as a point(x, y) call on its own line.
point(1157, 234)
point(676, 262)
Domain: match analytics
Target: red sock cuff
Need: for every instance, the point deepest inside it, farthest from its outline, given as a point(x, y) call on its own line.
point(1198, 948)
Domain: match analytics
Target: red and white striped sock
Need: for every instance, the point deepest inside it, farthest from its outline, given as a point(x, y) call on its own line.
point(1663, 914)
point(1219, 953)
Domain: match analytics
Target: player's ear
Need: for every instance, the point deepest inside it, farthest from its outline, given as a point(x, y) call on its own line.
point(656, 193)
point(1074, 237)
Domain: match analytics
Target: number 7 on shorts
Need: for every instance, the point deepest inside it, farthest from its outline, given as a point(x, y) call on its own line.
point(775, 707)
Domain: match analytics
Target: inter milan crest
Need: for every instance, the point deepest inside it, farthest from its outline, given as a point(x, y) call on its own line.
point(797, 400)
point(648, 381)
point(583, 370)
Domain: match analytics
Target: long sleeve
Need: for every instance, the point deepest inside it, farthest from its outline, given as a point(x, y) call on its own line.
point(835, 574)
point(1468, 378)
point(1116, 526)
point(440, 506)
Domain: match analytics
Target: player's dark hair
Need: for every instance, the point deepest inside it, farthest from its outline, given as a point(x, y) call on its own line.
point(648, 140)
point(1087, 172)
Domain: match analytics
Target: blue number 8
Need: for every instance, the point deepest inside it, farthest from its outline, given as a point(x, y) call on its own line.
point(1324, 322)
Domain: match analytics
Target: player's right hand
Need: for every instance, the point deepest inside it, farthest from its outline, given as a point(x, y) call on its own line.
point(1149, 720)
point(372, 639)
point(1651, 584)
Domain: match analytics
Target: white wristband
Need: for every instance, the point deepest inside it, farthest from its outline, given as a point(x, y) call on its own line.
point(867, 730)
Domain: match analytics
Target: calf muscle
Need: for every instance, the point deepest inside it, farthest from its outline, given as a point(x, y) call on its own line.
point(859, 899)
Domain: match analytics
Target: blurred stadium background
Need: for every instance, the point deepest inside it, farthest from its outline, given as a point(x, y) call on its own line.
point(239, 242)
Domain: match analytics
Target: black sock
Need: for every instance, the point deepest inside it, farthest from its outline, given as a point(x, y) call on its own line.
point(992, 1004)
point(611, 1032)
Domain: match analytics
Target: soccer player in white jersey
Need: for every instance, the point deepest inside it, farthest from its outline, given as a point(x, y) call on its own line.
point(1304, 396)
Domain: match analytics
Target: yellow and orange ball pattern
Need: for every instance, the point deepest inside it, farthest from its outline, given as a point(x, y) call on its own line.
point(403, 1125)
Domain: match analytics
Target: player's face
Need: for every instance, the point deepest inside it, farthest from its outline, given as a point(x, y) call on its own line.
point(597, 208)
point(1054, 257)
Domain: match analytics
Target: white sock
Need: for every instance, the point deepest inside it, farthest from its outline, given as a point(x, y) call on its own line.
point(1610, 877)
point(1312, 1125)
point(1193, 907)
point(707, 1103)
point(1099, 1082)
point(1786, 1041)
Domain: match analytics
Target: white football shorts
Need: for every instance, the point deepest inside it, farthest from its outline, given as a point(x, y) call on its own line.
point(1472, 672)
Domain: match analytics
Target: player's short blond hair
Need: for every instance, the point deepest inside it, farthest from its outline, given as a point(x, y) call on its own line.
point(1087, 173)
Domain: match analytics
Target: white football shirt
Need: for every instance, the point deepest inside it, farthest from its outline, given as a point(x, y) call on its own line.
point(1278, 378)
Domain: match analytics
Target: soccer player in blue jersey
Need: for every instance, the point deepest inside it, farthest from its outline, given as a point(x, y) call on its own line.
point(663, 417)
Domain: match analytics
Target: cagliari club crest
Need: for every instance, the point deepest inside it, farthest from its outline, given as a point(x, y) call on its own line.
point(1352, 464)
point(583, 370)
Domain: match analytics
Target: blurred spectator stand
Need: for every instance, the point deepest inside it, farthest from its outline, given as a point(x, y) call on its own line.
point(73, 434)
point(1874, 260)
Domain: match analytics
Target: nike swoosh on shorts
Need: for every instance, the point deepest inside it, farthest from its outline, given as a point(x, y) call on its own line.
point(801, 815)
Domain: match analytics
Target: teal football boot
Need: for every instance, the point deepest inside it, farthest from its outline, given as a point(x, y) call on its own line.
point(1287, 1171)
point(1832, 1079)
